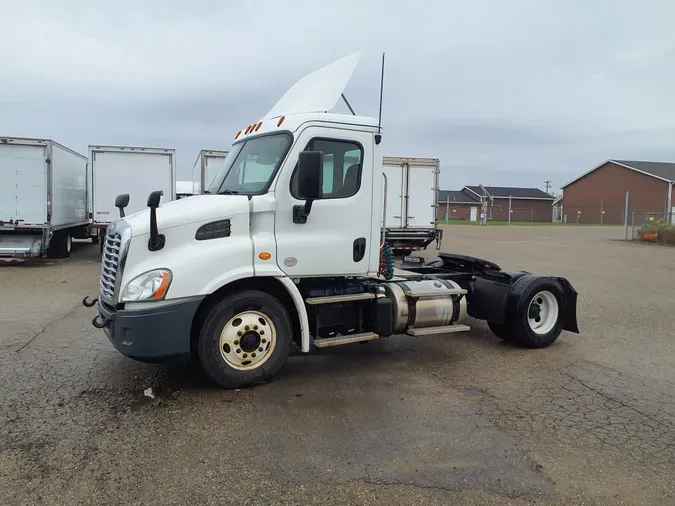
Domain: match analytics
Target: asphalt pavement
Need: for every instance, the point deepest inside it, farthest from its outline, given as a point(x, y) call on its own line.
point(456, 419)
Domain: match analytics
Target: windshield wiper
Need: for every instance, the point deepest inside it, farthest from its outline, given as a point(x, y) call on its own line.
point(228, 192)
point(207, 192)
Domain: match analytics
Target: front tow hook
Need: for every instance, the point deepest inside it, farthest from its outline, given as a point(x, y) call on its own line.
point(89, 303)
point(100, 324)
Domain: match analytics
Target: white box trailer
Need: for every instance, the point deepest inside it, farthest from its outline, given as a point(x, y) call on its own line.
point(411, 221)
point(137, 171)
point(43, 198)
point(208, 163)
point(187, 189)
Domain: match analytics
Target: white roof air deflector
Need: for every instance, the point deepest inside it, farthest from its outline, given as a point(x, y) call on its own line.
point(318, 91)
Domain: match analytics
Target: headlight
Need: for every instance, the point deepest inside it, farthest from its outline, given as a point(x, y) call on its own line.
point(152, 285)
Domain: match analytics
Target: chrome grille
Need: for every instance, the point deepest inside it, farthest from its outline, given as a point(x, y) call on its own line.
point(110, 263)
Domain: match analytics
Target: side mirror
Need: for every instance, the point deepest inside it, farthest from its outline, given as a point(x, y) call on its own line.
point(122, 201)
point(157, 240)
point(310, 183)
point(310, 175)
point(154, 198)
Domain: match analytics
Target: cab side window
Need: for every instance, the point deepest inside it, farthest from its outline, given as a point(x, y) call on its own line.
point(342, 162)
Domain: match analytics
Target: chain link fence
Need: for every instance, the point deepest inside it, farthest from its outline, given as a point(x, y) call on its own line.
point(593, 215)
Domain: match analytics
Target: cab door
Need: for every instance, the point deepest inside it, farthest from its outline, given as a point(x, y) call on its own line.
point(335, 239)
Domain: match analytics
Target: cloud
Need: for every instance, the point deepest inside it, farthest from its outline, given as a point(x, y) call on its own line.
point(504, 93)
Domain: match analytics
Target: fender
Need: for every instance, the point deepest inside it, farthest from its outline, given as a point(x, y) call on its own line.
point(300, 308)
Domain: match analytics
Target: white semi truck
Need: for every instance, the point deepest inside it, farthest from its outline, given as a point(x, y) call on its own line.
point(288, 248)
point(132, 170)
point(411, 223)
point(43, 199)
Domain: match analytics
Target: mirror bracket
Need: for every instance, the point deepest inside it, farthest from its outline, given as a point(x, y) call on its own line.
point(300, 213)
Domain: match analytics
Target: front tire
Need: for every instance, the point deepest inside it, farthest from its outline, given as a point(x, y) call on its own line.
point(245, 339)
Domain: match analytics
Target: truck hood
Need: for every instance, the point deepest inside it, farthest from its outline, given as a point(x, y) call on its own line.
point(196, 209)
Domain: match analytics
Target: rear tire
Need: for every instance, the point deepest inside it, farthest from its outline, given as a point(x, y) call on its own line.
point(60, 245)
point(95, 238)
point(502, 330)
point(538, 316)
point(245, 339)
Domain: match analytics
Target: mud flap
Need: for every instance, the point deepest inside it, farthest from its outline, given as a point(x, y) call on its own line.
point(569, 320)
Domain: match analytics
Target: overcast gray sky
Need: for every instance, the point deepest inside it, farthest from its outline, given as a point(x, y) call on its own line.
point(505, 93)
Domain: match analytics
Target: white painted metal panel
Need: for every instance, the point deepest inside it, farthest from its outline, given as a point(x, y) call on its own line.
point(421, 208)
point(136, 172)
point(69, 186)
point(23, 183)
point(395, 179)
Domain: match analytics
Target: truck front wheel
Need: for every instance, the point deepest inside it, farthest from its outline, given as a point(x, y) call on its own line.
point(245, 339)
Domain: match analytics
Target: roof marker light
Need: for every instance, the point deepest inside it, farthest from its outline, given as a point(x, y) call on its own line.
point(238, 134)
point(257, 127)
point(281, 120)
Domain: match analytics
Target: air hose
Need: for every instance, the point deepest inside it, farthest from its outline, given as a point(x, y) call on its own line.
point(386, 262)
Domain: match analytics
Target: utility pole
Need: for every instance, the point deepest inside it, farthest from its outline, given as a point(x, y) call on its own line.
point(548, 185)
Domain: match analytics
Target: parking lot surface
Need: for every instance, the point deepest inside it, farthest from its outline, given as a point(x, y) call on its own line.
point(456, 419)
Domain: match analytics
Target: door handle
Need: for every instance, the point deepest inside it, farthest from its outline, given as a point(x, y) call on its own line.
point(359, 249)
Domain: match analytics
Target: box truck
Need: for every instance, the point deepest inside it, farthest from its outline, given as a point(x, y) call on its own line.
point(43, 199)
point(136, 171)
point(289, 249)
point(411, 221)
point(187, 189)
point(207, 165)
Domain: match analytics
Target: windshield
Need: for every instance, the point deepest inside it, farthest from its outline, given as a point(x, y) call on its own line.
point(251, 165)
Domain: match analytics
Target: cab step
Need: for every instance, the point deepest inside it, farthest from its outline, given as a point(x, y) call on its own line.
point(333, 299)
point(428, 331)
point(346, 339)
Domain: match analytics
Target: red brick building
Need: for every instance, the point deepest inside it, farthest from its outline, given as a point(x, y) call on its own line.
point(599, 195)
point(526, 204)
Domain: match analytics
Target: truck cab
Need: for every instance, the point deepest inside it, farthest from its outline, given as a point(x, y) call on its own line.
point(287, 248)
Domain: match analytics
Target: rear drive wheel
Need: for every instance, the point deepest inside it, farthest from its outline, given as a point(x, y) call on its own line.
point(94, 238)
point(502, 330)
point(245, 339)
point(60, 245)
point(538, 318)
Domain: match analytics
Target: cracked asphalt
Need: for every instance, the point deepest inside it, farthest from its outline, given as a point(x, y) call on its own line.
point(457, 419)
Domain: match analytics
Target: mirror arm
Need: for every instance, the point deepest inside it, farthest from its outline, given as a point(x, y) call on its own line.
point(300, 213)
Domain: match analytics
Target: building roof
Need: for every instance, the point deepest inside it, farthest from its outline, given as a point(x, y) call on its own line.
point(664, 170)
point(660, 170)
point(456, 197)
point(513, 192)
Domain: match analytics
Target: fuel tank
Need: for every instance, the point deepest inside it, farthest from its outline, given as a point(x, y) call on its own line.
point(425, 303)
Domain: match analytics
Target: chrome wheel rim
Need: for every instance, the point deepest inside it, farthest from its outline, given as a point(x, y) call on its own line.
point(542, 313)
point(247, 340)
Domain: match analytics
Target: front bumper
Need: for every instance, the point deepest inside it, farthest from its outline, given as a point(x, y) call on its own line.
point(158, 334)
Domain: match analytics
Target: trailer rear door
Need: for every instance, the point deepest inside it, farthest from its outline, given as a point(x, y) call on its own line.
point(137, 173)
point(422, 193)
point(23, 184)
